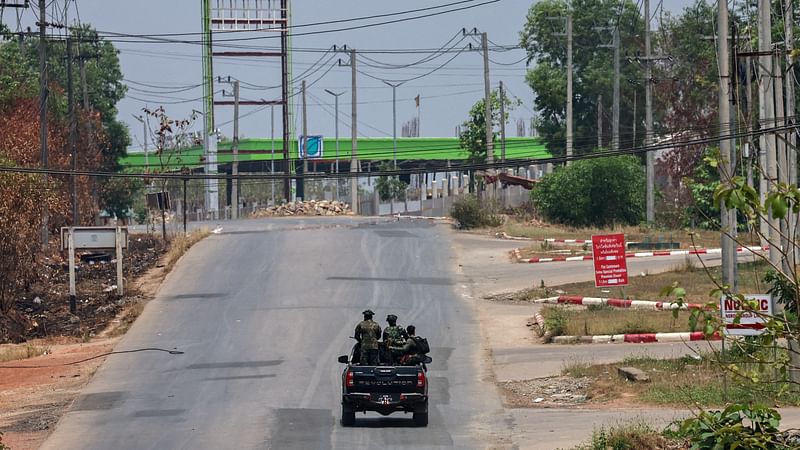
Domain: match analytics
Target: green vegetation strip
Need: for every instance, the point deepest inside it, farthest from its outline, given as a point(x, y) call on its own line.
point(687, 381)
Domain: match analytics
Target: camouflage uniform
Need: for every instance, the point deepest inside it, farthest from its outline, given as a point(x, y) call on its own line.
point(394, 336)
point(367, 333)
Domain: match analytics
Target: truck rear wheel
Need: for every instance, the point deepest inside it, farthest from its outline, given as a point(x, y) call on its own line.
point(348, 417)
point(421, 419)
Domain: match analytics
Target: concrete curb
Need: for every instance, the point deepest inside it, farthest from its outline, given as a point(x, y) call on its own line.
point(620, 303)
point(700, 251)
point(641, 338)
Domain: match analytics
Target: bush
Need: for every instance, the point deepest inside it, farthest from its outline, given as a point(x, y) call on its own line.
point(470, 213)
point(593, 192)
point(555, 320)
point(737, 426)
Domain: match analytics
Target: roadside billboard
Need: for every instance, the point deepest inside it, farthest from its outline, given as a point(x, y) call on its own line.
point(608, 254)
point(751, 314)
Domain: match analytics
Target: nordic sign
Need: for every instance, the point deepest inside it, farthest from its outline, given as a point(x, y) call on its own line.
point(610, 267)
point(750, 314)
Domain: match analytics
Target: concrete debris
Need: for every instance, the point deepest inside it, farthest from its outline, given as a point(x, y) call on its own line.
point(306, 208)
point(633, 374)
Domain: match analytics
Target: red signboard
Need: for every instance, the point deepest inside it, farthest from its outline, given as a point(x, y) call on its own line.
point(610, 268)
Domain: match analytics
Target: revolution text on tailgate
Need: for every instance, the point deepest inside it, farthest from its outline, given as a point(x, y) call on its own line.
point(384, 389)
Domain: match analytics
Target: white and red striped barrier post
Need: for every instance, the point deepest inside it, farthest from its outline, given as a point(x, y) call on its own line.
point(638, 338)
point(700, 251)
point(621, 303)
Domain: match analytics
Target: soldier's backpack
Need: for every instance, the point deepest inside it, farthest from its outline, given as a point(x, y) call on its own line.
point(422, 345)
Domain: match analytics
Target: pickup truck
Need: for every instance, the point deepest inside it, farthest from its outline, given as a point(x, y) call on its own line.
point(385, 389)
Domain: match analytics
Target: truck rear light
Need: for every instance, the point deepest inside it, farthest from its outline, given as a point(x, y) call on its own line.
point(349, 379)
point(420, 379)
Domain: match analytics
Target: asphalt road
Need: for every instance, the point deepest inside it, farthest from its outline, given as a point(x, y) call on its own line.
point(261, 311)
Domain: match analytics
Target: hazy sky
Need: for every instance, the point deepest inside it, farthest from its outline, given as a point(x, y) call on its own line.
point(446, 95)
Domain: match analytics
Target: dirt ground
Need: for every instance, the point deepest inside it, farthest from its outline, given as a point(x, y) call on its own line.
point(35, 392)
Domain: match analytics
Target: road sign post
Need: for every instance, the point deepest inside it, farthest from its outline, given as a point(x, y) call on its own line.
point(610, 267)
point(95, 238)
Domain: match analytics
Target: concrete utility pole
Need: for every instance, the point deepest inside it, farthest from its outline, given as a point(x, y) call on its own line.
point(45, 232)
point(599, 121)
point(487, 100)
point(569, 87)
point(502, 123)
point(791, 136)
point(615, 107)
point(727, 215)
point(354, 135)
point(648, 105)
point(766, 106)
point(791, 101)
point(235, 151)
point(73, 182)
point(336, 126)
point(272, 157)
point(301, 187)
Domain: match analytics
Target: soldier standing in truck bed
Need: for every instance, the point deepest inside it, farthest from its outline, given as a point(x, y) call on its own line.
point(393, 336)
point(367, 333)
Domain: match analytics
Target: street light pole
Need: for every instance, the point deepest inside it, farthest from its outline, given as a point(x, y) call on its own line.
point(336, 114)
point(394, 121)
point(394, 139)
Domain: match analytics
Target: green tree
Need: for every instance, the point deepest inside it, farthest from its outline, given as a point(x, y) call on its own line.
point(390, 186)
point(593, 68)
point(473, 132)
point(593, 192)
point(119, 194)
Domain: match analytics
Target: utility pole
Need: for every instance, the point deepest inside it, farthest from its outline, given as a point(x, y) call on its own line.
point(287, 182)
point(502, 123)
point(45, 232)
point(791, 102)
point(336, 125)
point(301, 182)
point(235, 151)
point(144, 134)
point(569, 87)
point(272, 158)
point(727, 214)
point(648, 105)
point(487, 107)
point(766, 117)
point(354, 135)
point(791, 137)
point(599, 121)
point(73, 182)
point(617, 94)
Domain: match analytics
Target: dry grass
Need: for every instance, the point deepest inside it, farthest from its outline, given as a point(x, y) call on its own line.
point(702, 238)
point(642, 286)
point(181, 243)
point(686, 381)
point(15, 352)
point(126, 320)
point(571, 321)
point(635, 435)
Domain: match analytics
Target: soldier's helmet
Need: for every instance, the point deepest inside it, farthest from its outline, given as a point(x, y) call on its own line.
point(391, 318)
point(368, 313)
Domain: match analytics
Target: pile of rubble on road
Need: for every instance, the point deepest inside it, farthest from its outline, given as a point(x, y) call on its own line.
point(306, 208)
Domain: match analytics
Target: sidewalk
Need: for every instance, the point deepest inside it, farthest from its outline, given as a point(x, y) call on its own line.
point(517, 355)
